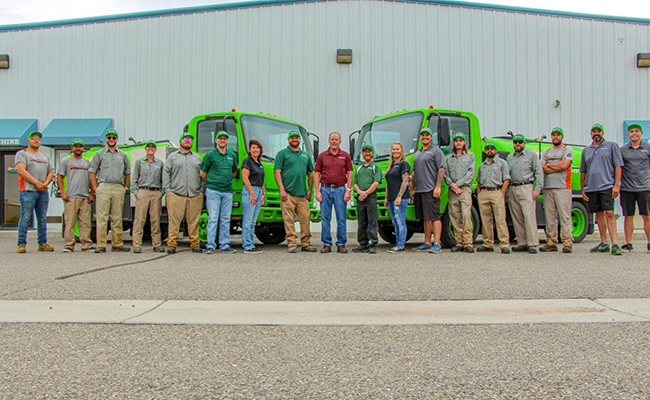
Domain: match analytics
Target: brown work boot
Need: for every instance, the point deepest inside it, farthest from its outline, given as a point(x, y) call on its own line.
point(342, 249)
point(21, 249)
point(45, 247)
point(326, 249)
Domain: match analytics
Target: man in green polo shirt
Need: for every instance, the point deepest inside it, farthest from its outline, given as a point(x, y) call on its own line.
point(218, 169)
point(366, 180)
point(292, 167)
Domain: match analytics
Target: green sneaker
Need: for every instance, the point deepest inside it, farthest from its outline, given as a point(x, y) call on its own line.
point(601, 248)
point(616, 250)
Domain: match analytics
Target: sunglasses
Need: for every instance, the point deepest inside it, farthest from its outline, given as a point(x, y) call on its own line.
point(111, 137)
point(517, 142)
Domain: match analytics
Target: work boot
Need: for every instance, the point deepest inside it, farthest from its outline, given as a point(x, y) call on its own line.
point(361, 249)
point(372, 249)
point(456, 249)
point(121, 249)
point(45, 247)
point(532, 250)
point(520, 249)
point(485, 249)
point(21, 249)
point(469, 249)
point(505, 250)
point(546, 248)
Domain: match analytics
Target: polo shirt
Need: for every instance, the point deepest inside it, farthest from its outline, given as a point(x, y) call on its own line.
point(147, 174)
point(426, 164)
point(460, 169)
point(636, 168)
point(525, 167)
point(37, 164)
point(493, 174)
point(333, 167)
point(367, 174)
point(219, 168)
point(77, 177)
point(181, 174)
point(598, 163)
point(560, 179)
point(110, 166)
point(256, 176)
point(294, 166)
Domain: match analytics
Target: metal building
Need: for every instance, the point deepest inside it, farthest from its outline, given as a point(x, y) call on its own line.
point(147, 74)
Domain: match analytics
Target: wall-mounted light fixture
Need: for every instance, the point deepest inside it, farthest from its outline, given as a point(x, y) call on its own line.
point(4, 61)
point(344, 56)
point(643, 60)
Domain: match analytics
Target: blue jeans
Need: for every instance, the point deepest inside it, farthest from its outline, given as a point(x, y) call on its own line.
point(219, 205)
point(333, 197)
point(30, 202)
point(398, 215)
point(250, 216)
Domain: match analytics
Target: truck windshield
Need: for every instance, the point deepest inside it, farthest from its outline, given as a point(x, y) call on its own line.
point(382, 134)
point(272, 134)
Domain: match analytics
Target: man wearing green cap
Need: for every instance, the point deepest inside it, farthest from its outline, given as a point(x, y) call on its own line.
point(460, 168)
point(293, 166)
point(35, 173)
point(183, 191)
point(146, 186)
point(556, 164)
point(493, 180)
point(77, 196)
point(601, 164)
point(635, 184)
point(526, 182)
point(366, 180)
point(218, 170)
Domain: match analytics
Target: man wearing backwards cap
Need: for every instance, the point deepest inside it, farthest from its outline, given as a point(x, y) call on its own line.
point(183, 190)
point(76, 196)
point(526, 182)
point(110, 173)
point(600, 178)
point(635, 184)
point(556, 163)
point(146, 186)
point(366, 181)
point(35, 173)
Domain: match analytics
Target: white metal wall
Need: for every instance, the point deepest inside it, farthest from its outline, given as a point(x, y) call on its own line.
point(153, 74)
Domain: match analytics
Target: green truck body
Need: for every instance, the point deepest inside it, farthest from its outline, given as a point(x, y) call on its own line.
point(404, 126)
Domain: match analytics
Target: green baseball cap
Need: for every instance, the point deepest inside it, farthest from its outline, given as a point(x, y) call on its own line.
point(112, 132)
point(558, 130)
point(150, 143)
point(37, 133)
point(293, 133)
point(633, 126)
point(490, 144)
point(78, 142)
point(184, 135)
point(368, 147)
point(222, 133)
point(459, 135)
point(426, 130)
point(597, 126)
point(519, 137)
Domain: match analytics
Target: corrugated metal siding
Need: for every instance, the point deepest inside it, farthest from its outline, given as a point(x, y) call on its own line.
point(153, 74)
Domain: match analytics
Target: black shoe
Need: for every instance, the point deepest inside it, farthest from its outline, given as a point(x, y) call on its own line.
point(361, 249)
point(137, 250)
point(627, 247)
point(100, 250)
point(308, 249)
point(456, 249)
point(372, 249)
point(197, 249)
point(532, 250)
point(469, 249)
point(546, 248)
point(484, 249)
point(505, 250)
point(159, 249)
point(567, 249)
point(171, 250)
point(121, 249)
point(520, 249)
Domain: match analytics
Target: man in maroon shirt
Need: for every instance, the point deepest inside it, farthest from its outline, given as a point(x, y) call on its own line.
point(333, 177)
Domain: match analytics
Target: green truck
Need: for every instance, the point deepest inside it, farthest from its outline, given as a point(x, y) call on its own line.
point(270, 130)
point(404, 126)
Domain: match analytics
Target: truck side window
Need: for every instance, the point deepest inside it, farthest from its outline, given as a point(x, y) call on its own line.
point(458, 124)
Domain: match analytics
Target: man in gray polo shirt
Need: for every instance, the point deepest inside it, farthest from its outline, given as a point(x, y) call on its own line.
point(600, 178)
point(635, 184)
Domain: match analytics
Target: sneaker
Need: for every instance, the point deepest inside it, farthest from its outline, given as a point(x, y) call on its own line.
point(308, 249)
point(293, 250)
point(372, 249)
point(228, 249)
point(45, 247)
point(158, 249)
point(68, 249)
point(436, 248)
point(253, 250)
point(546, 248)
point(601, 248)
point(532, 250)
point(396, 250)
point(137, 250)
point(422, 247)
point(520, 249)
point(456, 249)
point(361, 249)
point(171, 250)
point(485, 249)
point(616, 250)
point(469, 249)
point(567, 249)
point(196, 249)
point(648, 248)
point(627, 247)
point(100, 250)
point(21, 249)
point(121, 249)
point(505, 250)
point(209, 251)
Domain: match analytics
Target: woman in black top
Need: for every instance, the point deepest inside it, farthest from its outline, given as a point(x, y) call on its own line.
point(398, 193)
point(253, 195)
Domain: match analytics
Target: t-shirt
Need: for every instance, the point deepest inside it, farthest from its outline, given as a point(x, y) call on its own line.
point(561, 179)
point(37, 164)
point(294, 166)
point(367, 174)
point(426, 164)
point(394, 181)
point(636, 171)
point(77, 177)
point(219, 168)
point(256, 170)
point(599, 164)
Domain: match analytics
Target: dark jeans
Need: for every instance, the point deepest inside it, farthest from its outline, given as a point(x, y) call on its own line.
point(367, 215)
point(33, 202)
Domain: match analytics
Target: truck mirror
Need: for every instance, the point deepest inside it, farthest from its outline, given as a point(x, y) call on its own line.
point(353, 142)
point(444, 132)
point(314, 144)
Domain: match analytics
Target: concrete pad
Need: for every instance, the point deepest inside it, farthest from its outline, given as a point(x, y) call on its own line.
point(638, 307)
point(74, 311)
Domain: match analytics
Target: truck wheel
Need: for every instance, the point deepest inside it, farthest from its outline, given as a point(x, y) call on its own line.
point(387, 232)
point(271, 235)
point(448, 238)
point(203, 227)
point(579, 222)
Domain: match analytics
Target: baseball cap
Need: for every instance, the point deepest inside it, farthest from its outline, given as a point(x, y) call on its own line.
point(490, 144)
point(150, 143)
point(112, 132)
point(519, 137)
point(459, 135)
point(222, 133)
point(597, 126)
point(426, 130)
point(184, 135)
point(78, 142)
point(558, 130)
point(37, 133)
point(633, 126)
point(368, 147)
point(293, 133)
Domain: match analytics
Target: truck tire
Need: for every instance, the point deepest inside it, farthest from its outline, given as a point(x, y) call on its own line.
point(273, 235)
point(203, 227)
point(387, 232)
point(579, 221)
point(448, 238)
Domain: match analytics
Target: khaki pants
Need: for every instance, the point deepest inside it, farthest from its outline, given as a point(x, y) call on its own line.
point(109, 199)
point(77, 209)
point(558, 202)
point(296, 205)
point(460, 213)
point(522, 210)
point(492, 206)
point(147, 201)
point(188, 207)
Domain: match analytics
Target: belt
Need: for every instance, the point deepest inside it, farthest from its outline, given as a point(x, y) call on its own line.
point(521, 183)
point(331, 186)
point(149, 188)
point(491, 189)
